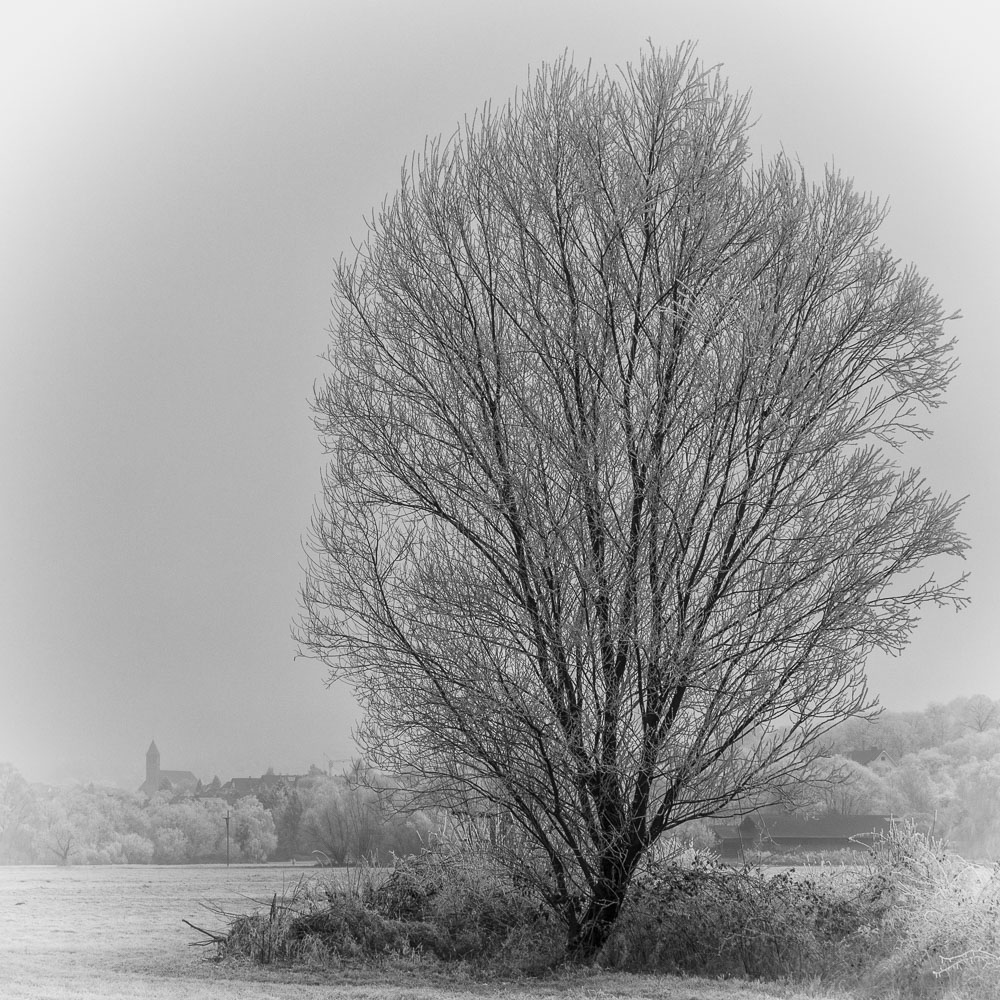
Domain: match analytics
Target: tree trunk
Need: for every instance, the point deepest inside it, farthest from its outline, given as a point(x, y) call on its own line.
point(588, 935)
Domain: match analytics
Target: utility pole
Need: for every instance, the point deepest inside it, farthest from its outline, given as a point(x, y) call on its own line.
point(227, 838)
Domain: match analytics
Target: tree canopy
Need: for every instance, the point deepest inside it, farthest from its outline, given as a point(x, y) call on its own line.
point(614, 512)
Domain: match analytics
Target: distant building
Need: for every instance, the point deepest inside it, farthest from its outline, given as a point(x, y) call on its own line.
point(778, 832)
point(236, 788)
point(873, 755)
point(180, 782)
point(158, 780)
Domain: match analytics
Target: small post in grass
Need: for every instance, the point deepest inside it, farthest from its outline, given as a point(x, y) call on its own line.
point(227, 838)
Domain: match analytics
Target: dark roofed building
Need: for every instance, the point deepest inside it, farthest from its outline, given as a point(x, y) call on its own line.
point(873, 755)
point(236, 788)
point(777, 832)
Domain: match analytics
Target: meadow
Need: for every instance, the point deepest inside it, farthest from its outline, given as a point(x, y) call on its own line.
point(103, 932)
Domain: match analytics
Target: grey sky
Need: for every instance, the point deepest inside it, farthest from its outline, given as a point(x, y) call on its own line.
point(175, 182)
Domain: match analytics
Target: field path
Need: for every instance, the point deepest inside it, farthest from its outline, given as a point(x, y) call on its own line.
point(116, 933)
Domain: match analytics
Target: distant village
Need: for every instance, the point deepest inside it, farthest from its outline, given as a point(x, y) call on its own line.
point(186, 782)
point(938, 769)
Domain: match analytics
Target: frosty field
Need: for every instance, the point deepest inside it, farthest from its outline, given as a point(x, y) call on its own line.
point(116, 932)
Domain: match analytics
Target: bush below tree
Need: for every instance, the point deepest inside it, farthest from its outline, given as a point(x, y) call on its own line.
point(912, 921)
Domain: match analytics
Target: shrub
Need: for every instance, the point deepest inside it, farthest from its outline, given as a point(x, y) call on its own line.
point(941, 930)
point(446, 906)
point(913, 921)
point(316, 923)
point(707, 918)
point(350, 931)
point(481, 911)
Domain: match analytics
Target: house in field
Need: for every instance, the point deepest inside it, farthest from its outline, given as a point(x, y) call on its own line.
point(872, 757)
point(781, 832)
point(159, 780)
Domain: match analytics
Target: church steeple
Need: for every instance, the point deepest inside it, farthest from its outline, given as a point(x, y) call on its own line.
point(152, 782)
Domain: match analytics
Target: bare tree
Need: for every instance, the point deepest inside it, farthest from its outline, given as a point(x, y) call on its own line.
point(980, 713)
point(17, 809)
point(612, 516)
point(326, 822)
point(940, 725)
point(846, 787)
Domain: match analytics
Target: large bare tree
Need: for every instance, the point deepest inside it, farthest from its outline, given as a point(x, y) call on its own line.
point(613, 513)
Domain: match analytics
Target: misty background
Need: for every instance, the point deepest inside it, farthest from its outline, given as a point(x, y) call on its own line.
point(176, 180)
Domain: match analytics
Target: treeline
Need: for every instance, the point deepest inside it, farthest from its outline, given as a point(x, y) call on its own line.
point(944, 775)
point(341, 817)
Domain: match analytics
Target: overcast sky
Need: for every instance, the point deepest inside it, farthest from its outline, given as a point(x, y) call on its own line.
point(176, 179)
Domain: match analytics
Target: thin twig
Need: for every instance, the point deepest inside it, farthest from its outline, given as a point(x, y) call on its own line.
point(216, 938)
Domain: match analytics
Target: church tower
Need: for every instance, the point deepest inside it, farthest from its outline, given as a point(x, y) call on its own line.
point(152, 783)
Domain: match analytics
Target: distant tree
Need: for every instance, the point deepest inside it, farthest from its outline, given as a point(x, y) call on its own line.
point(17, 813)
point(613, 514)
point(285, 805)
point(252, 829)
point(978, 807)
point(365, 802)
point(134, 849)
point(102, 815)
point(288, 812)
point(60, 834)
point(206, 826)
point(187, 830)
point(898, 733)
point(939, 725)
point(344, 819)
point(325, 820)
point(912, 790)
point(172, 846)
point(271, 795)
point(847, 787)
point(855, 734)
point(405, 833)
point(980, 713)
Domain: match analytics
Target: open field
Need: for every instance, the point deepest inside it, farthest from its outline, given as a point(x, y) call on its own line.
point(116, 932)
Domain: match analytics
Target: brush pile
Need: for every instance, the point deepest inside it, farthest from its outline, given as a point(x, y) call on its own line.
point(442, 906)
